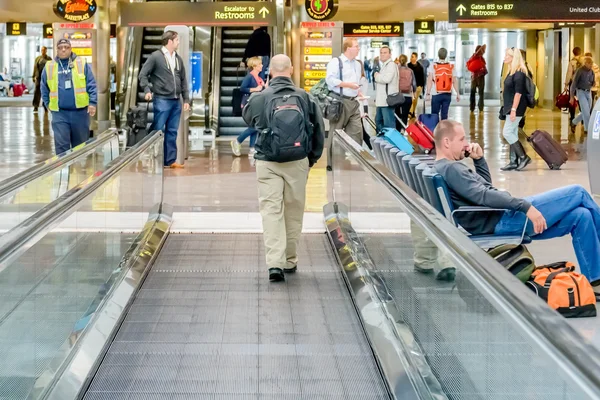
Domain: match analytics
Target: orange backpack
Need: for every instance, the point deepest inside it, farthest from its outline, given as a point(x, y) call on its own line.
point(443, 77)
point(565, 290)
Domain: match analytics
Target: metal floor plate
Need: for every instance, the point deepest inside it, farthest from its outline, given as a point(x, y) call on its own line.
point(207, 324)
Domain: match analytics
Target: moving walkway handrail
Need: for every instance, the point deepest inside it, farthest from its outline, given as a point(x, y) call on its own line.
point(58, 161)
point(23, 236)
point(578, 359)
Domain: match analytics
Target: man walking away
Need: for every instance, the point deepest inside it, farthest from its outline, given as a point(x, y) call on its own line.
point(476, 65)
point(343, 80)
point(387, 83)
point(163, 79)
point(367, 67)
point(575, 63)
point(417, 69)
point(444, 77)
point(38, 68)
point(69, 92)
point(424, 61)
point(288, 118)
point(259, 45)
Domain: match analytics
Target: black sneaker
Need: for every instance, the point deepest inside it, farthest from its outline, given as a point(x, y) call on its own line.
point(276, 275)
point(290, 270)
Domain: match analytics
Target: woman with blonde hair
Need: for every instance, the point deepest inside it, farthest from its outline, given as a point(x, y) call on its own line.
point(515, 105)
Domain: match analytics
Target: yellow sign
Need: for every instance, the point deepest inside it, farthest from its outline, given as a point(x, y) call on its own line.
point(16, 28)
point(315, 74)
point(318, 50)
point(82, 51)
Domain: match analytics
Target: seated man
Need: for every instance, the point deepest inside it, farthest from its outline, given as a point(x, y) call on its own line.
point(556, 213)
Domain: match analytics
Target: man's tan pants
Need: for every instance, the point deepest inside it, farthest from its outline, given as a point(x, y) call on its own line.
point(281, 197)
point(413, 108)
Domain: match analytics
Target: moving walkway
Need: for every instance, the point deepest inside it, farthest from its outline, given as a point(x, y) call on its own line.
point(180, 316)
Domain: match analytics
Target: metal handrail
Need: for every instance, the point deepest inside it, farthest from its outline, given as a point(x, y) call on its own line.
point(58, 161)
point(578, 359)
point(16, 241)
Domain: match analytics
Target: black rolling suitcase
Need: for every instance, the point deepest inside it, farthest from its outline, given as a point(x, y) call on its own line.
point(137, 124)
point(549, 149)
point(236, 100)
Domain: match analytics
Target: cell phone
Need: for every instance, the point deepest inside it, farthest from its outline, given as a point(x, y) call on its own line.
point(467, 153)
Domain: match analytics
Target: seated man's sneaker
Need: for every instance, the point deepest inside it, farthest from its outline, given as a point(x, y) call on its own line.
point(276, 275)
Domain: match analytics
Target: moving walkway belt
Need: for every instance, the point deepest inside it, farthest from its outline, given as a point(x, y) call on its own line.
point(207, 324)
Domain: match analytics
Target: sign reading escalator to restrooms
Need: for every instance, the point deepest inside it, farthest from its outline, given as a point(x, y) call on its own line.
point(229, 13)
point(524, 10)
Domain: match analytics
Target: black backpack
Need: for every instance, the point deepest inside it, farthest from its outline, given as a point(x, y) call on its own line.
point(287, 136)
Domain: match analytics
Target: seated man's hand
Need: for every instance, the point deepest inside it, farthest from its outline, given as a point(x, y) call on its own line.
point(538, 220)
point(476, 152)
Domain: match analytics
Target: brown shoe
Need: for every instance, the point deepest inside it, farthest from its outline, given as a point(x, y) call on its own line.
point(175, 165)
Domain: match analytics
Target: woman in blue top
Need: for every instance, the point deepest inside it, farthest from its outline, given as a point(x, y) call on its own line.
point(251, 83)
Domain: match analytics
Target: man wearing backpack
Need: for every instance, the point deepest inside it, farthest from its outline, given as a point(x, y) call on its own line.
point(290, 141)
point(575, 63)
point(444, 77)
point(476, 65)
point(386, 83)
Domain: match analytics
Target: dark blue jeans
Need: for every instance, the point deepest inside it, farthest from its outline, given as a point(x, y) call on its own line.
point(167, 113)
point(384, 118)
point(253, 133)
point(570, 209)
point(71, 128)
point(440, 103)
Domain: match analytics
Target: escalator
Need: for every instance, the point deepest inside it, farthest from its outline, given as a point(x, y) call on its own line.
point(231, 75)
point(151, 41)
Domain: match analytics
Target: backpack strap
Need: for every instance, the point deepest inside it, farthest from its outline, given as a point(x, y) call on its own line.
point(303, 105)
point(341, 66)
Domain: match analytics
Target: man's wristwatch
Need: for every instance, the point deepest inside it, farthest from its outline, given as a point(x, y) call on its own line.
point(513, 109)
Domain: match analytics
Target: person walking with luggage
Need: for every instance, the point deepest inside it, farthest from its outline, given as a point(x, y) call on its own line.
point(582, 84)
point(38, 68)
point(294, 120)
point(559, 212)
point(477, 66)
point(443, 79)
point(596, 86)
point(259, 45)
point(252, 83)
point(574, 64)
point(386, 84)
point(69, 92)
point(419, 73)
point(515, 105)
point(163, 80)
point(408, 87)
point(343, 81)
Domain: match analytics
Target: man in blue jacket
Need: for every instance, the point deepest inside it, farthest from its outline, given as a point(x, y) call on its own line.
point(69, 92)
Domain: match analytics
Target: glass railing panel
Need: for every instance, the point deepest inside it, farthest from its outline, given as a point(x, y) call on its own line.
point(50, 291)
point(22, 202)
point(470, 346)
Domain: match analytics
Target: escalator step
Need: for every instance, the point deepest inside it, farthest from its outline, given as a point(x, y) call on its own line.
point(232, 122)
point(229, 131)
point(225, 110)
point(235, 43)
point(233, 52)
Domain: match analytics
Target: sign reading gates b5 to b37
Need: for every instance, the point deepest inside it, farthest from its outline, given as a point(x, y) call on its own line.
point(524, 10)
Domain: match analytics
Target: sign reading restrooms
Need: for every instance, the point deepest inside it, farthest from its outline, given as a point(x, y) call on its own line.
point(75, 10)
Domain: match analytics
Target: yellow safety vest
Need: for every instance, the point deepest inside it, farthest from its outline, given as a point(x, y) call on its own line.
point(82, 99)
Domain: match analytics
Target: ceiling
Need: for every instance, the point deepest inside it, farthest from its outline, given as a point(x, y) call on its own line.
point(348, 11)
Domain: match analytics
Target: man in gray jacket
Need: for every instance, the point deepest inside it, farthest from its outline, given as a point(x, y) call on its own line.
point(562, 211)
point(283, 172)
point(163, 79)
point(386, 83)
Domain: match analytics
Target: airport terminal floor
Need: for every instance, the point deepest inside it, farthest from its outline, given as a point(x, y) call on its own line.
point(147, 283)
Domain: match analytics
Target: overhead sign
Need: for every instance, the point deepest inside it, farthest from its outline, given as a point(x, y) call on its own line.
point(424, 27)
point(374, 29)
point(524, 10)
point(377, 44)
point(48, 31)
point(218, 13)
point(16, 28)
point(75, 10)
point(321, 9)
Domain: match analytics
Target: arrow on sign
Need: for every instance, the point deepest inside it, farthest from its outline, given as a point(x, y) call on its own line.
point(397, 28)
point(461, 9)
point(264, 12)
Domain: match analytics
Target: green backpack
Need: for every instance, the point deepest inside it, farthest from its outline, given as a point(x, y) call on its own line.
point(516, 259)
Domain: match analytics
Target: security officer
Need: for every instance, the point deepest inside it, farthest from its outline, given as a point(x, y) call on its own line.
point(69, 92)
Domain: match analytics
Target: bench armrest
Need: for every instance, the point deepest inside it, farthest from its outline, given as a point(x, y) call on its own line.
point(485, 209)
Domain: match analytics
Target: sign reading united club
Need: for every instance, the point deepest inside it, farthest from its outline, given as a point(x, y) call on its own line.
point(75, 10)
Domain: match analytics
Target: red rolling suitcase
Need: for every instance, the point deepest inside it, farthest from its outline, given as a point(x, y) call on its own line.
point(420, 134)
point(549, 149)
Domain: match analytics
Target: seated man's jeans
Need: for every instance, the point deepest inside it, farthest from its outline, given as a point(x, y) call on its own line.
point(570, 209)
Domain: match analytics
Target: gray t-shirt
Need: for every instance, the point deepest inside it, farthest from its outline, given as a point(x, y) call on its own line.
point(474, 188)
